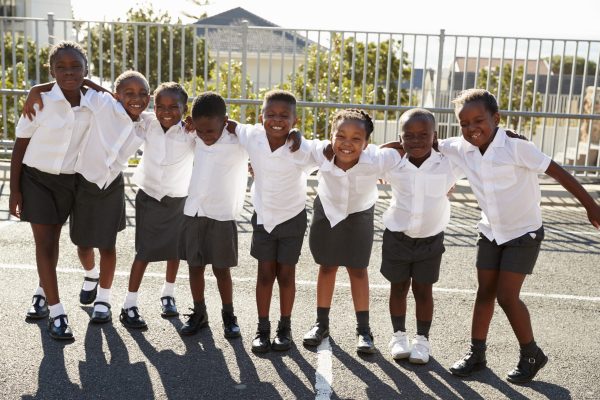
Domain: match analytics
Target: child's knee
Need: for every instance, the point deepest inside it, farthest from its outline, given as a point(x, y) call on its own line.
point(422, 292)
point(222, 274)
point(506, 300)
point(400, 289)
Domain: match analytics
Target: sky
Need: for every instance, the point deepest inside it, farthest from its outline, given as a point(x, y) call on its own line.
point(573, 19)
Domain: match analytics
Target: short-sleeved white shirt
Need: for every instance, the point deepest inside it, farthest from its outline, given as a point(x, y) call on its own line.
point(166, 165)
point(279, 188)
point(56, 133)
point(346, 192)
point(219, 179)
point(505, 181)
point(419, 206)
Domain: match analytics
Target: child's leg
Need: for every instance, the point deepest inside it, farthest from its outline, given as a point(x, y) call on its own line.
point(325, 286)
point(225, 285)
point(484, 303)
point(267, 272)
point(509, 288)
point(172, 268)
point(108, 264)
point(137, 273)
point(359, 286)
point(46, 254)
point(198, 318)
point(87, 295)
point(197, 283)
point(130, 316)
point(86, 257)
point(424, 306)
point(167, 294)
point(398, 293)
point(286, 279)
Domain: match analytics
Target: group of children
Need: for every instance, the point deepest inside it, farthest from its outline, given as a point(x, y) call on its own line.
point(68, 161)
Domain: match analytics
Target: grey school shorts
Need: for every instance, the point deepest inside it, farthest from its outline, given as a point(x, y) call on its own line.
point(404, 257)
point(208, 241)
point(283, 244)
point(47, 198)
point(517, 255)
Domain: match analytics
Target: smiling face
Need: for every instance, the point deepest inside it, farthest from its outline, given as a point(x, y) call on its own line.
point(278, 118)
point(478, 124)
point(348, 139)
point(69, 69)
point(169, 108)
point(417, 138)
point(209, 129)
point(134, 96)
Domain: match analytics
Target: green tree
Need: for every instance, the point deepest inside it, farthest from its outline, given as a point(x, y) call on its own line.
point(174, 41)
point(514, 102)
point(324, 75)
point(580, 63)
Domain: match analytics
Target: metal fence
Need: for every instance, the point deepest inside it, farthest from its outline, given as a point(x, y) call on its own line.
point(547, 88)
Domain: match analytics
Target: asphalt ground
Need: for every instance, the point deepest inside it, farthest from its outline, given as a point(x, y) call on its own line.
point(111, 362)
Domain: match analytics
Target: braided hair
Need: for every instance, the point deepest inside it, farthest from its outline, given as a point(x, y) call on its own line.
point(354, 114)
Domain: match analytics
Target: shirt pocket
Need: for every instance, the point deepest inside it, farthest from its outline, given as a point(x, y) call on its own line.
point(365, 183)
point(435, 186)
point(504, 176)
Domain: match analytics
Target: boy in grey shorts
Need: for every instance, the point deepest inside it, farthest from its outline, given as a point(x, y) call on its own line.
point(413, 241)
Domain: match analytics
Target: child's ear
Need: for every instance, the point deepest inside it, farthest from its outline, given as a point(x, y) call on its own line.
point(260, 118)
point(496, 117)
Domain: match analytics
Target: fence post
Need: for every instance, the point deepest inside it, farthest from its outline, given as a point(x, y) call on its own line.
point(438, 77)
point(244, 68)
point(51, 28)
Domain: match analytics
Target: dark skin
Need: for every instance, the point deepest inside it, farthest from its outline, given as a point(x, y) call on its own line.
point(69, 69)
point(479, 127)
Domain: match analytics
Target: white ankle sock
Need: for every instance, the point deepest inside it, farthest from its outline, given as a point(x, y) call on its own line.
point(104, 296)
point(168, 289)
point(39, 291)
point(93, 273)
point(131, 300)
point(56, 310)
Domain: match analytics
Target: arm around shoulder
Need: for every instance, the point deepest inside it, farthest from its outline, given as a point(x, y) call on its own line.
point(574, 187)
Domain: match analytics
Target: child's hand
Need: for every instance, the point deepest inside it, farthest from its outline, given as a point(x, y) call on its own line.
point(394, 145)
point(33, 98)
point(189, 125)
point(231, 125)
point(594, 215)
point(328, 152)
point(514, 135)
point(15, 203)
point(295, 136)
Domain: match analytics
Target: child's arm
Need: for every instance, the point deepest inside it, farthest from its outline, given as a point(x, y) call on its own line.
point(295, 136)
point(570, 183)
point(35, 97)
point(15, 202)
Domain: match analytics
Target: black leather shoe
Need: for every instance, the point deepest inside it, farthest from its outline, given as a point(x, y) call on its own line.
point(471, 362)
point(231, 329)
point(168, 307)
point(315, 336)
point(283, 338)
point(364, 343)
point(527, 368)
point(101, 317)
point(261, 342)
point(135, 322)
point(194, 323)
point(38, 309)
point(62, 331)
point(88, 296)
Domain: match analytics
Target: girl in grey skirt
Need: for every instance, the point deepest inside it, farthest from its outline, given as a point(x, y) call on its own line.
point(341, 232)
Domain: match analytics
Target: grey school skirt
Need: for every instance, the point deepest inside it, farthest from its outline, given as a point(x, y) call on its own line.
point(98, 214)
point(348, 244)
point(158, 227)
point(47, 198)
point(208, 241)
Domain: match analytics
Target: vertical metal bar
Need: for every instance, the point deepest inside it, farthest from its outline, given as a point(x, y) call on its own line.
point(25, 54)
point(342, 50)
point(376, 77)
point(51, 28)
point(535, 86)
point(365, 63)
point(124, 48)
point(450, 117)
point(37, 52)
point(282, 57)
point(112, 54)
point(182, 77)
point(206, 64)
point(424, 71)
point(135, 47)
point(568, 105)
point(581, 101)
point(101, 52)
point(353, 69)
point(593, 107)
point(387, 88)
point(545, 104)
point(466, 65)
point(558, 94)
point(3, 63)
point(89, 46)
point(148, 53)
point(489, 75)
point(501, 75)
point(400, 79)
point(332, 38)
point(512, 80)
point(475, 84)
point(194, 57)
point(523, 84)
point(270, 57)
point(244, 68)
point(170, 52)
point(438, 74)
point(159, 54)
point(318, 58)
point(306, 50)
point(294, 61)
point(412, 71)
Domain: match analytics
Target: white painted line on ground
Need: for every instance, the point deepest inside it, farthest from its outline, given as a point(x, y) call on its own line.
point(314, 284)
point(324, 372)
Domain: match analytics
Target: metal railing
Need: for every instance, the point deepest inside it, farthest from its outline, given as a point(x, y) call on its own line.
point(547, 88)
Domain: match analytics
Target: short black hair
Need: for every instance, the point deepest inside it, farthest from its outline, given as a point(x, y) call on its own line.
point(352, 114)
point(129, 75)
point(472, 95)
point(279, 95)
point(173, 87)
point(417, 113)
point(66, 45)
point(209, 104)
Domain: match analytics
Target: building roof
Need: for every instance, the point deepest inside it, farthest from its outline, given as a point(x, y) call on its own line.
point(258, 40)
point(471, 64)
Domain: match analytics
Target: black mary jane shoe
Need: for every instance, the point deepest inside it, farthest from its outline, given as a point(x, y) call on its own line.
point(88, 296)
point(62, 331)
point(261, 342)
point(38, 308)
point(168, 307)
point(315, 336)
point(135, 322)
point(527, 368)
point(283, 338)
point(101, 317)
point(231, 329)
point(471, 362)
point(195, 322)
point(364, 342)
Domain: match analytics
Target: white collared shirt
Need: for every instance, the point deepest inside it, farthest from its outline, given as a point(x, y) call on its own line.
point(56, 132)
point(110, 129)
point(279, 188)
point(219, 179)
point(166, 165)
point(505, 181)
point(419, 206)
point(346, 192)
